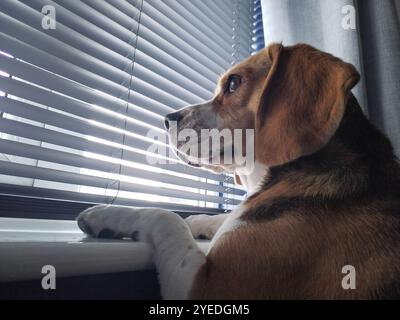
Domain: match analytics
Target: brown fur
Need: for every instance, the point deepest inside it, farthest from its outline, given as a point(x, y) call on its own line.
point(302, 103)
point(331, 197)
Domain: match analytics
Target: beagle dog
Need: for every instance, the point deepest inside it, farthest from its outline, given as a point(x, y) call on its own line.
point(324, 193)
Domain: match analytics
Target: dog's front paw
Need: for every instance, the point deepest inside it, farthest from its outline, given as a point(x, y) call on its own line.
point(107, 221)
point(203, 225)
point(112, 221)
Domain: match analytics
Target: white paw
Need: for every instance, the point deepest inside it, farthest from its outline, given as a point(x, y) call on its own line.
point(111, 221)
point(104, 221)
point(203, 225)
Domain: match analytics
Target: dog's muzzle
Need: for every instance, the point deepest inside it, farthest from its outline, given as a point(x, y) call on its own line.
point(172, 117)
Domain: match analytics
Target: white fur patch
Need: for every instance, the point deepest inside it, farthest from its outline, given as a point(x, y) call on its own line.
point(253, 180)
point(231, 223)
point(176, 254)
point(205, 225)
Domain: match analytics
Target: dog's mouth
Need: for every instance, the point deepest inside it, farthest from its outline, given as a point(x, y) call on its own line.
point(202, 162)
point(212, 149)
point(180, 154)
point(192, 164)
point(183, 152)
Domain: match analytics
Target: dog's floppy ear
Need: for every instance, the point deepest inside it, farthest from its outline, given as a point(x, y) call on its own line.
point(302, 103)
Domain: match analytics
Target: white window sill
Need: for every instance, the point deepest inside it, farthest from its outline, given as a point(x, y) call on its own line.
point(26, 245)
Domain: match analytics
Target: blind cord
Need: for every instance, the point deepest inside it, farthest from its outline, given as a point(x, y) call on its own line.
point(127, 103)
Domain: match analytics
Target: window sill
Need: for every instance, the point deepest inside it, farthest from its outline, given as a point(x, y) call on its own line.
point(26, 245)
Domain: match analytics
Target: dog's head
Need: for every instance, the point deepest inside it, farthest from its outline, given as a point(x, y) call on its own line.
point(292, 97)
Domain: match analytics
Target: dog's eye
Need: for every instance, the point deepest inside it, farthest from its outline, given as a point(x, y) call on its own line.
point(233, 83)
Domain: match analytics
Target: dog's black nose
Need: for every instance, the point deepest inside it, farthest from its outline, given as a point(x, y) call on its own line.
point(171, 117)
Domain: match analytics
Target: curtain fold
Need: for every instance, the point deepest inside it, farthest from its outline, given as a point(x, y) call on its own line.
point(373, 46)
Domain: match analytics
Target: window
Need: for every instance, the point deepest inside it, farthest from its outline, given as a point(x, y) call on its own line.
point(80, 92)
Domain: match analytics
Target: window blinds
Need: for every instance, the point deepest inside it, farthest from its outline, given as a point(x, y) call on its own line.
point(258, 30)
point(77, 100)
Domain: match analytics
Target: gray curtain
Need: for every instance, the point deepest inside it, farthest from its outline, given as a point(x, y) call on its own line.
point(373, 46)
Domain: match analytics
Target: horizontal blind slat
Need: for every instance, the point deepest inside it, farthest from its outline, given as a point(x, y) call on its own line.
point(192, 46)
point(52, 155)
point(144, 49)
point(174, 21)
point(42, 173)
point(80, 126)
point(175, 9)
point(151, 57)
point(206, 13)
point(58, 138)
point(162, 37)
point(74, 107)
point(83, 127)
point(80, 67)
point(93, 14)
point(80, 92)
point(121, 61)
point(47, 193)
point(151, 53)
point(242, 10)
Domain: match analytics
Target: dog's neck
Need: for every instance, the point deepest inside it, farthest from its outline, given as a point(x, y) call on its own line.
point(252, 181)
point(358, 161)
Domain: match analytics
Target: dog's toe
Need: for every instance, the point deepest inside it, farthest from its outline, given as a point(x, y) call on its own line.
point(93, 222)
point(84, 226)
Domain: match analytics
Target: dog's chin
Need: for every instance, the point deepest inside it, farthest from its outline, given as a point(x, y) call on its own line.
point(185, 158)
point(206, 164)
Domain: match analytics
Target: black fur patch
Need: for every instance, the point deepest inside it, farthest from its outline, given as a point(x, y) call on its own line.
point(107, 233)
point(277, 207)
point(135, 236)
